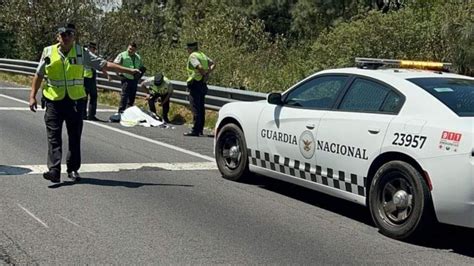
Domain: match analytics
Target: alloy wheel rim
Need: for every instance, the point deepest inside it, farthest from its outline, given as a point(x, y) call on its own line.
point(231, 152)
point(396, 200)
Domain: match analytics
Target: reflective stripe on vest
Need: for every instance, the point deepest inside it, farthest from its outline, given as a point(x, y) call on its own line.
point(128, 62)
point(64, 75)
point(192, 72)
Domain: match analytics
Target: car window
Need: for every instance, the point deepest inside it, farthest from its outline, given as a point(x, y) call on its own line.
point(317, 93)
point(455, 93)
point(368, 96)
point(392, 103)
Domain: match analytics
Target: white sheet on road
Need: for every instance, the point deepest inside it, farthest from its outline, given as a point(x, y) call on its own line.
point(134, 116)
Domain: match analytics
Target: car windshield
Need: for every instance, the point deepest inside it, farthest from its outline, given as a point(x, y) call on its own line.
point(455, 93)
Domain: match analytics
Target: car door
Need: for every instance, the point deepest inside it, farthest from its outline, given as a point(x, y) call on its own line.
point(287, 132)
point(350, 137)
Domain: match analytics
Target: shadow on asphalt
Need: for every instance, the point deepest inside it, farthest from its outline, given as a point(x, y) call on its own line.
point(451, 238)
point(112, 183)
point(345, 208)
point(445, 237)
point(12, 170)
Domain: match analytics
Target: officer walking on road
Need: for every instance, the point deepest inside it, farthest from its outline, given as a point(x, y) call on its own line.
point(130, 59)
point(63, 64)
point(161, 88)
point(199, 66)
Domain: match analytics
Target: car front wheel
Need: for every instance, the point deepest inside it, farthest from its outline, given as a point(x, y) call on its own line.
point(231, 153)
point(400, 201)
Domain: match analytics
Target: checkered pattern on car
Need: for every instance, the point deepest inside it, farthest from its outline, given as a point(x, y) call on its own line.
point(333, 178)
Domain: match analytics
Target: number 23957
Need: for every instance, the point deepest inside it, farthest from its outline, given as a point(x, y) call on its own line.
point(409, 140)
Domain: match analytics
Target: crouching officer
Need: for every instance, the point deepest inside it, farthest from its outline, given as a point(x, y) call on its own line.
point(63, 64)
point(159, 88)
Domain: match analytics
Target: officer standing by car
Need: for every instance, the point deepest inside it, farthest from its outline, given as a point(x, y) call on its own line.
point(199, 66)
point(63, 64)
point(161, 88)
point(130, 59)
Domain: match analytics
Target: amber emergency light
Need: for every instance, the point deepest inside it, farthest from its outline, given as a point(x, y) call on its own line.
point(375, 63)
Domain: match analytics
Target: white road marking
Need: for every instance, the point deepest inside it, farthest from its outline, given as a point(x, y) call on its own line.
point(155, 142)
point(109, 167)
point(42, 110)
point(75, 224)
point(208, 158)
point(32, 215)
point(16, 88)
point(14, 99)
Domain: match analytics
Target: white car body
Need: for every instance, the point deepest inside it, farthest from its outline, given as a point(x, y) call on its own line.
point(332, 151)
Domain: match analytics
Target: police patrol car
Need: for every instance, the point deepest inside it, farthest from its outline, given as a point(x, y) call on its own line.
point(398, 140)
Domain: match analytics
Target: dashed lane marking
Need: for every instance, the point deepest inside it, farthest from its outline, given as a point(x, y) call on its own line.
point(109, 167)
point(75, 224)
point(34, 216)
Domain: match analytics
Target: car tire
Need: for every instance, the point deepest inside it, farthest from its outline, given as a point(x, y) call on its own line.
point(231, 153)
point(400, 201)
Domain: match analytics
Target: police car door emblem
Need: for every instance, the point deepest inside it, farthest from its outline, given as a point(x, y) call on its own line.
point(306, 144)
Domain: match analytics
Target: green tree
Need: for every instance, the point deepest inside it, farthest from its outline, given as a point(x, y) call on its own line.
point(34, 22)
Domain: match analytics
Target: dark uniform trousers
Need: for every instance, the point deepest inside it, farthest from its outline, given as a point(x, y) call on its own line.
point(56, 113)
point(165, 106)
point(197, 94)
point(90, 84)
point(129, 91)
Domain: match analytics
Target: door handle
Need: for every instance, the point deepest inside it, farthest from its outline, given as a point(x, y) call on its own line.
point(374, 130)
point(310, 126)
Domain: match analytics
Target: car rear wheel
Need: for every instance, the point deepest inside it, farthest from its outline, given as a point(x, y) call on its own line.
point(231, 153)
point(400, 201)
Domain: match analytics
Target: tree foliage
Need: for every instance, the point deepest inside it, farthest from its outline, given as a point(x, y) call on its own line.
point(261, 45)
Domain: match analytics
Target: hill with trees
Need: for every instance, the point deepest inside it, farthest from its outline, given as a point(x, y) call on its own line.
point(262, 45)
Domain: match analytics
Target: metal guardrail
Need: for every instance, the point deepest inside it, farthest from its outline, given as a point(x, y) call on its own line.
point(215, 98)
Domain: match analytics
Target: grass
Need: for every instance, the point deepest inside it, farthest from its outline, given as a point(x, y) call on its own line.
point(178, 114)
point(17, 79)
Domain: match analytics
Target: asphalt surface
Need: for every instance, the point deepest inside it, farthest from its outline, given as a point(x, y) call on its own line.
point(136, 206)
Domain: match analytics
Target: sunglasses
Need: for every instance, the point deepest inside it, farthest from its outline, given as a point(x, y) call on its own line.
point(67, 33)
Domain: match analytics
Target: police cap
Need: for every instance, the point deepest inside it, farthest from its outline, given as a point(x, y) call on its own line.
point(192, 45)
point(69, 27)
point(158, 79)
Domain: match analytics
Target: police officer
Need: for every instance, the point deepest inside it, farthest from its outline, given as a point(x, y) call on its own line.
point(199, 66)
point(63, 64)
point(130, 59)
point(161, 88)
point(90, 84)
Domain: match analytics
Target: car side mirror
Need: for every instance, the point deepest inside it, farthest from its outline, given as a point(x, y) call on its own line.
point(274, 98)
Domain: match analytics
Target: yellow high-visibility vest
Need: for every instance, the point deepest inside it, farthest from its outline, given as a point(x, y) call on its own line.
point(163, 88)
point(64, 75)
point(192, 72)
point(88, 72)
point(128, 62)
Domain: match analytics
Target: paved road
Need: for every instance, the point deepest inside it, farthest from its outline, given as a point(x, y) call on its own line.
point(151, 196)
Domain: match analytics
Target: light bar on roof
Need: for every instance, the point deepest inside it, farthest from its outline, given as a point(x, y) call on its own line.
point(374, 63)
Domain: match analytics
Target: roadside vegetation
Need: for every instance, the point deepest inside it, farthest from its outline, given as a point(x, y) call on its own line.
point(263, 45)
